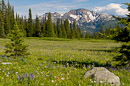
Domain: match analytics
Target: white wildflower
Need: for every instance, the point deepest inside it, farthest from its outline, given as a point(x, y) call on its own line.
point(52, 80)
point(62, 78)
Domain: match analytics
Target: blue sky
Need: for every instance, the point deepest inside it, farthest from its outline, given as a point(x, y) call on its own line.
point(40, 7)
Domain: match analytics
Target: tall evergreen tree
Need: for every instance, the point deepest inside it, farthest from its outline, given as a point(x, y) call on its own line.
point(37, 27)
point(30, 25)
point(63, 31)
point(67, 28)
point(55, 30)
point(72, 34)
point(58, 24)
point(101, 31)
point(2, 33)
point(60, 33)
point(87, 34)
point(124, 36)
point(50, 29)
point(7, 22)
point(25, 26)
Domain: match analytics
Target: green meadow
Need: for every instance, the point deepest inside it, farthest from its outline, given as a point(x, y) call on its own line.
point(59, 62)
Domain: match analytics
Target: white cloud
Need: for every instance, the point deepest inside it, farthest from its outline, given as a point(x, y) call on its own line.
point(80, 0)
point(112, 8)
point(41, 8)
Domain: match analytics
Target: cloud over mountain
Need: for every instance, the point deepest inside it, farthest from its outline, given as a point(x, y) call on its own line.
point(112, 8)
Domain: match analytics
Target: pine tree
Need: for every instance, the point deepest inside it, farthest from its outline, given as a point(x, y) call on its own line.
point(16, 48)
point(87, 34)
point(123, 35)
point(58, 24)
point(2, 33)
point(60, 33)
point(50, 29)
point(25, 26)
point(101, 31)
point(55, 30)
point(7, 22)
point(37, 27)
point(30, 25)
point(67, 28)
point(63, 31)
point(21, 26)
point(12, 19)
point(72, 34)
point(44, 29)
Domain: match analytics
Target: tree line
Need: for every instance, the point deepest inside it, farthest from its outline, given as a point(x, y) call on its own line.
point(35, 27)
point(44, 27)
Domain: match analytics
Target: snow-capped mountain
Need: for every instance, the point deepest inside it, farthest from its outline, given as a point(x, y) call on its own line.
point(83, 15)
point(86, 19)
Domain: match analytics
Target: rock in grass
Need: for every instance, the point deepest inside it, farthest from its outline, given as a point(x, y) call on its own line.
point(102, 75)
point(5, 63)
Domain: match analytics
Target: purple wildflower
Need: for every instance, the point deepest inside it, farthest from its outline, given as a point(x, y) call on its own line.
point(29, 74)
point(43, 76)
point(18, 78)
point(25, 76)
point(21, 76)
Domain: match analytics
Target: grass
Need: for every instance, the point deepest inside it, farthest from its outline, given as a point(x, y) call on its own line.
point(59, 62)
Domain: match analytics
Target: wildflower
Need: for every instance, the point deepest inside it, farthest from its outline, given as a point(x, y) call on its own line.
point(88, 66)
point(3, 70)
point(43, 76)
point(25, 76)
point(7, 75)
point(31, 75)
point(62, 78)
point(18, 78)
point(16, 72)
point(64, 66)
point(57, 78)
point(52, 80)
point(54, 76)
point(8, 72)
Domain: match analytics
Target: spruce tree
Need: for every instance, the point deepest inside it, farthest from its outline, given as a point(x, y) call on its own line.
point(50, 29)
point(123, 35)
point(72, 34)
point(58, 24)
point(60, 33)
point(7, 23)
point(21, 26)
point(67, 28)
point(2, 33)
point(25, 26)
point(55, 30)
point(101, 31)
point(16, 48)
point(37, 27)
point(30, 25)
point(87, 34)
point(63, 31)
point(44, 29)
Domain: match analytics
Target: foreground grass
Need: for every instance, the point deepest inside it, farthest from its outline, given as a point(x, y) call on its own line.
point(60, 62)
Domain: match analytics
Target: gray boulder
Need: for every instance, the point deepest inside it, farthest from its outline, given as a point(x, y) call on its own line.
point(102, 75)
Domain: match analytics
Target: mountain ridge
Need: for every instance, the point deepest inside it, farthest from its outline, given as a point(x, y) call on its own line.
point(86, 19)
